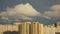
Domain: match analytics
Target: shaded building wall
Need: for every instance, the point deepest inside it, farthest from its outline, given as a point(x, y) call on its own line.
point(24, 28)
point(28, 27)
point(34, 28)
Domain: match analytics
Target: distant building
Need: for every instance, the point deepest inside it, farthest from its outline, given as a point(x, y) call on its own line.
point(31, 28)
point(52, 29)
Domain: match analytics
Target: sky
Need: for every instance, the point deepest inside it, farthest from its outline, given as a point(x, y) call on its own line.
point(44, 11)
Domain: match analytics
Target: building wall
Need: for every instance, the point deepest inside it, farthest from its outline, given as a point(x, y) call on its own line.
point(30, 28)
point(1, 29)
point(46, 30)
point(23, 28)
point(51, 29)
point(4, 28)
point(33, 28)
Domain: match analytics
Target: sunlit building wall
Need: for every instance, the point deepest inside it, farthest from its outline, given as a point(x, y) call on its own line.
point(24, 28)
point(42, 29)
point(1, 29)
point(6, 27)
point(15, 28)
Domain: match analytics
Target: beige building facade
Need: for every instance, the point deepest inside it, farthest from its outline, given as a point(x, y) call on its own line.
point(31, 28)
point(23, 28)
point(52, 29)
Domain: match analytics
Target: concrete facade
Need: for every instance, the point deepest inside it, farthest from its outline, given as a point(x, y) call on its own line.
point(52, 29)
point(23, 28)
point(31, 28)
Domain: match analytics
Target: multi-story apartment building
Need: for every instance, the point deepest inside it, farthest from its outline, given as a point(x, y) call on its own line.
point(52, 29)
point(31, 28)
point(23, 28)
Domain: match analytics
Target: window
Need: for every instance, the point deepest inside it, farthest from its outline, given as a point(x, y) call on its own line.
point(57, 32)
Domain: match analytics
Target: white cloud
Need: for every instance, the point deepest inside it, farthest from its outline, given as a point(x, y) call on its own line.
point(54, 13)
point(21, 11)
point(44, 16)
point(55, 7)
point(26, 10)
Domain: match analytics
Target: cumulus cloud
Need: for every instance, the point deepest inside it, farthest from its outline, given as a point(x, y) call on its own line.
point(26, 10)
point(21, 11)
point(54, 13)
point(55, 7)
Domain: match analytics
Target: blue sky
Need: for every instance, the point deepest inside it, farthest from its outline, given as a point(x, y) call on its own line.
point(44, 7)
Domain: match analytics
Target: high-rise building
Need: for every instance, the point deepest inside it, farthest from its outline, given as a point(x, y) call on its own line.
point(42, 29)
point(28, 27)
point(1, 29)
point(34, 28)
point(39, 30)
point(24, 28)
point(6, 27)
point(58, 24)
